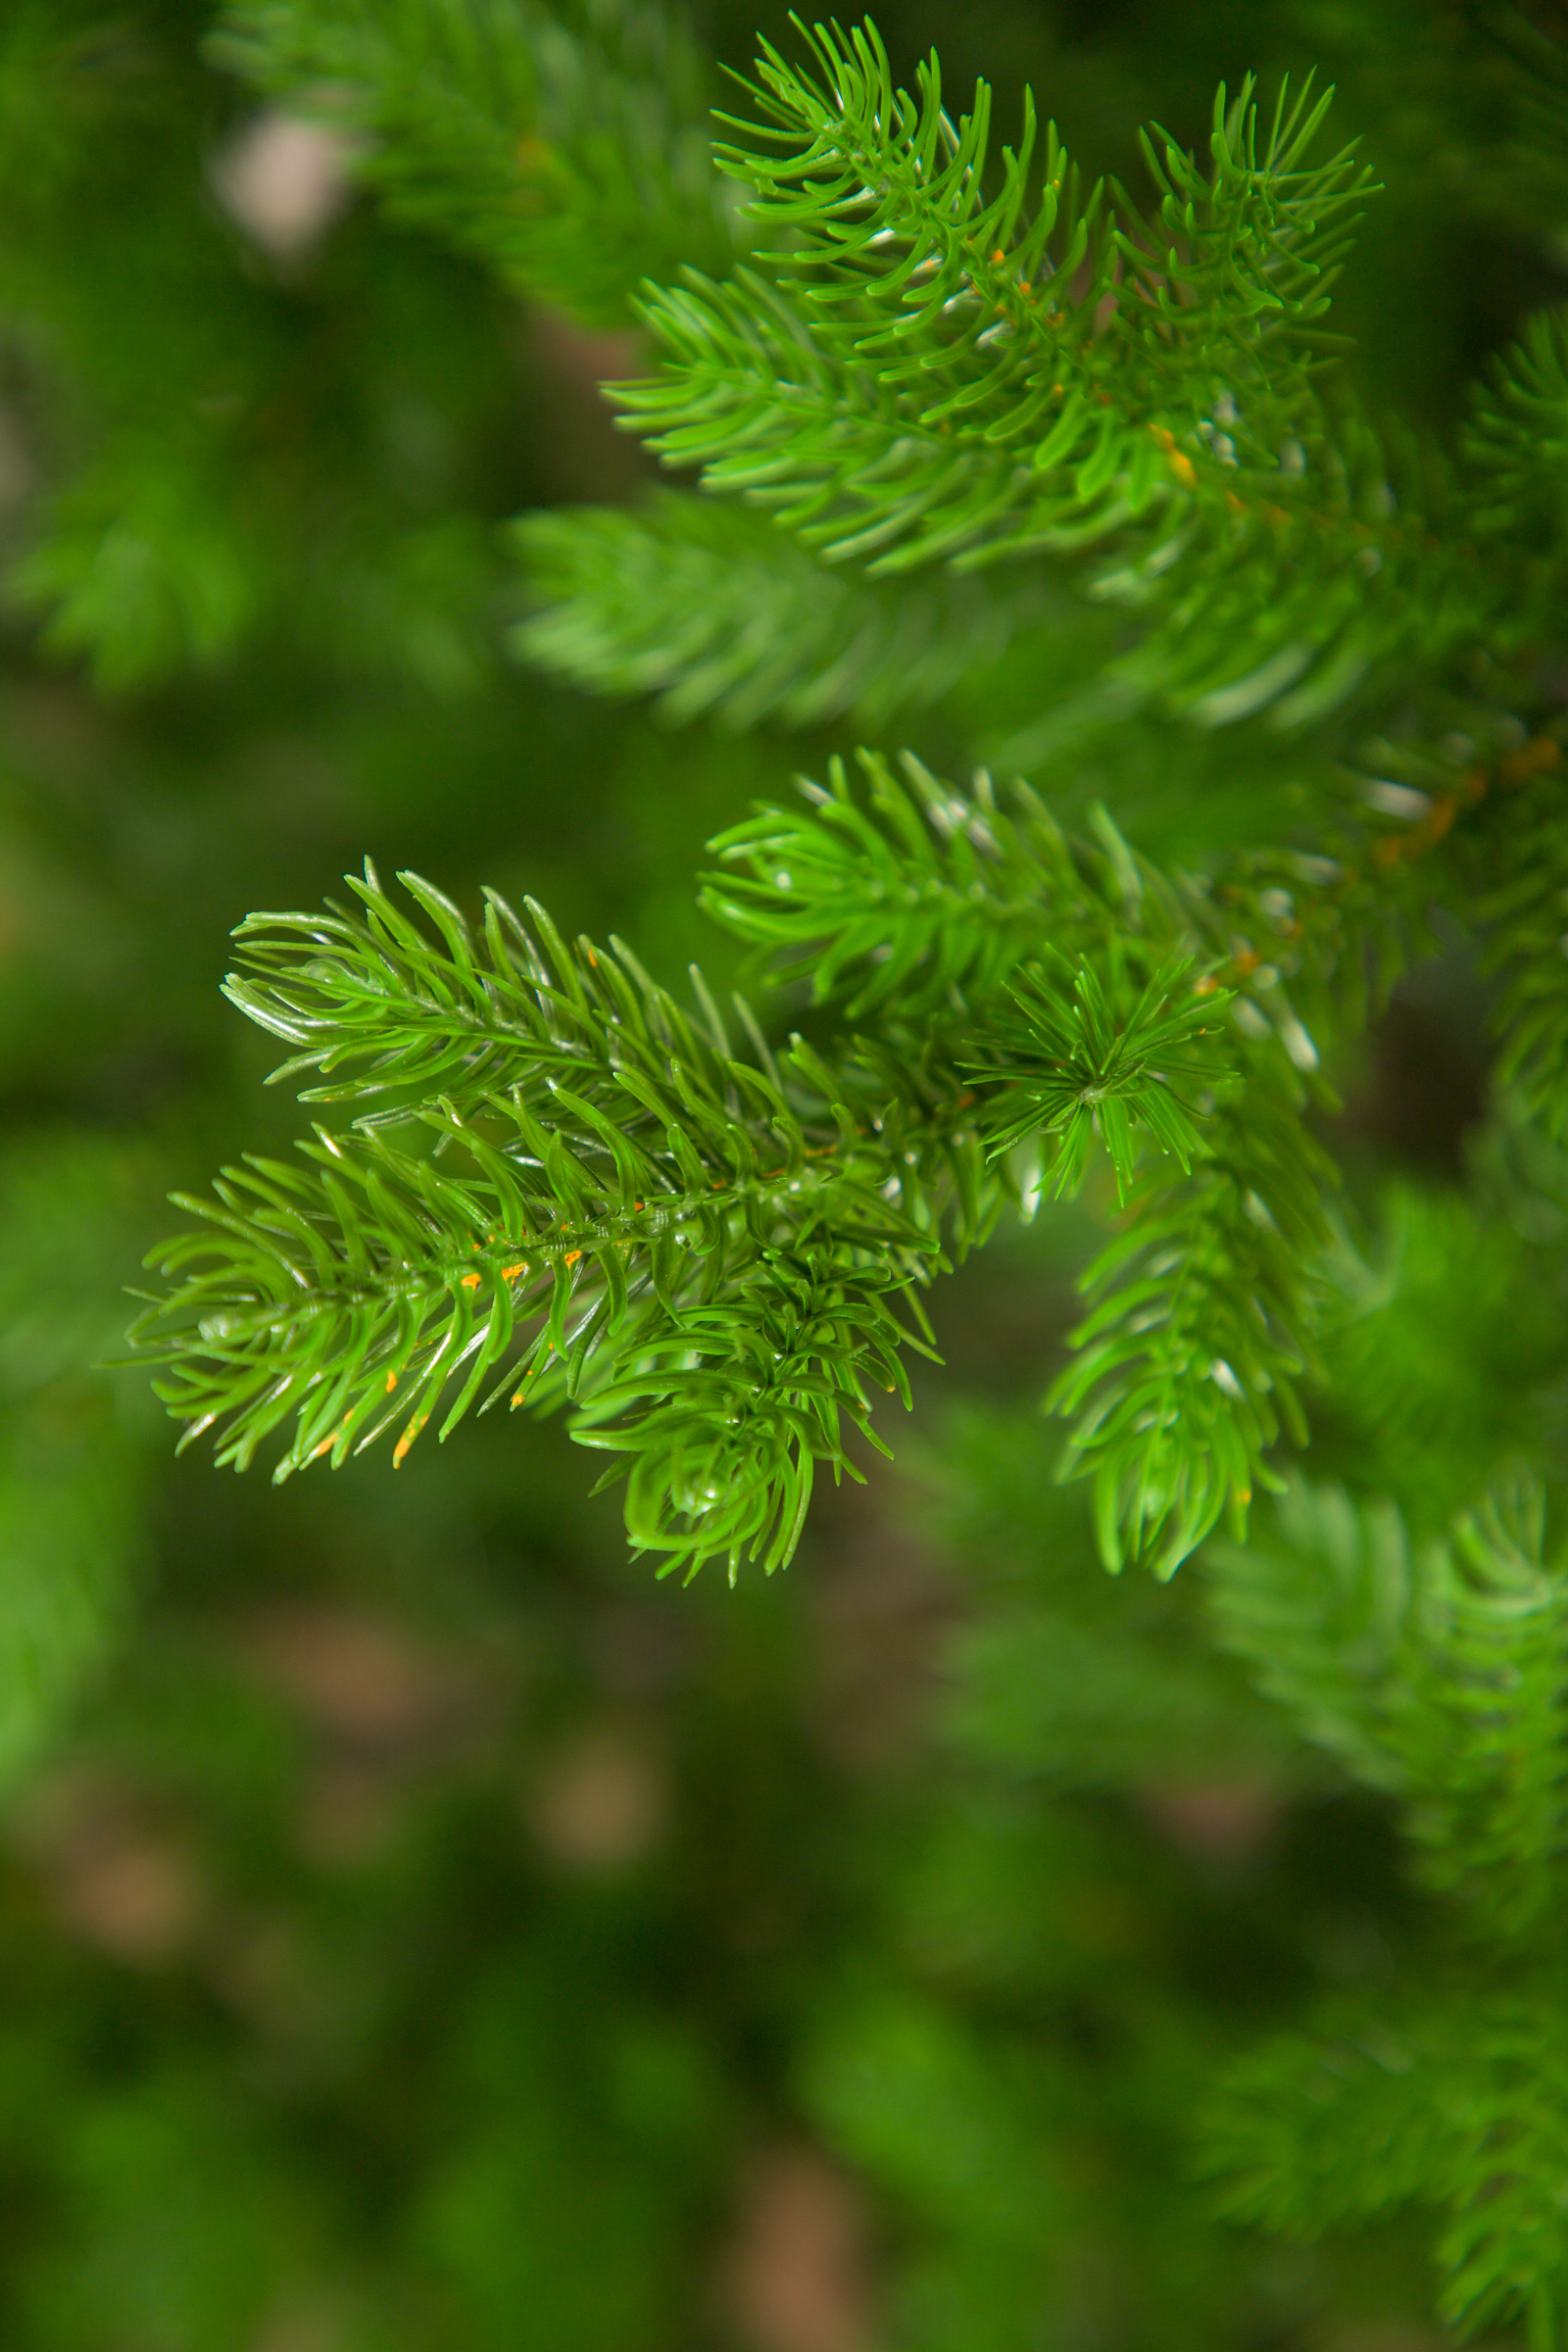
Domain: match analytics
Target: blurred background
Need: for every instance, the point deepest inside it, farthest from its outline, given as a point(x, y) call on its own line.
point(418, 1927)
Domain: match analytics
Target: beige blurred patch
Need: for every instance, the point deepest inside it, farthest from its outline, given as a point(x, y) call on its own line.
point(260, 1965)
point(883, 1615)
point(284, 181)
point(585, 454)
point(19, 476)
point(361, 1680)
point(600, 1802)
point(797, 2277)
point(110, 1870)
point(386, 1706)
point(1382, 2335)
point(349, 1812)
point(1225, 1822)
point(314, 2325)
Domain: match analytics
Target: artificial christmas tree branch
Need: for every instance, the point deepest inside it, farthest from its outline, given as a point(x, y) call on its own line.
point(933, 402)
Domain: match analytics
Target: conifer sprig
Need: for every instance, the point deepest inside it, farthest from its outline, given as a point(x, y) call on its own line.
point(609, 1189)
point(921, 906)
point(639, 1137)
point(906, 890)
point(1517, 437)
point(905, 886)
point(1317, 1606)
point(364, 1293)
point(930, 362)
point(1434, 1672)
point(886, 199)
point(565, 146)
point(949, 386)
point(1190, 1361)
point(1485, 1736)
point(928, 372)
point(1085, 1066)
point(1457, 2101)
point(704, 606)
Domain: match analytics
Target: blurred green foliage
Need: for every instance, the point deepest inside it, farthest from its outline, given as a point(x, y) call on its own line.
point(416, 1931)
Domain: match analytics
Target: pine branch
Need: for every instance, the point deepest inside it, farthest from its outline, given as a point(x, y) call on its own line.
point(380, 1008)
point(1480, 1726)
point(922, 911)
point(1089, 1063)
point(923, 896)
point(916, 891)
point(926, 903)
point(1317, 1607)
point(238, 474)
point(707, 607)
point(1064, 1677)
point(1249, 250)
point(1443, 1349)
point(568, 148)
point(1434, 1674)
point(623, 1185)
point(514, 1050)
point(1522, 903)
point(1190, 1361)
point(1533, 173)
point(905, 390)
point(1517, 437)
point(1459, 2102)
point(926, 343)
